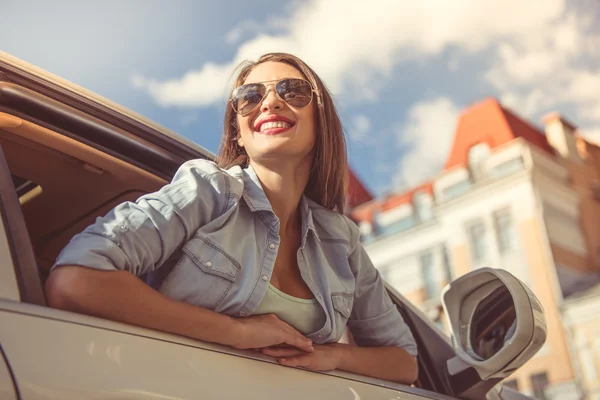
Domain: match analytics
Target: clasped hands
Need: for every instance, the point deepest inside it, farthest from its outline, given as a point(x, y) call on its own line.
point(273, 337)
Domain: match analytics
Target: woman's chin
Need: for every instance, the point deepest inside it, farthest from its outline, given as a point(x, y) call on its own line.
point(285, 154)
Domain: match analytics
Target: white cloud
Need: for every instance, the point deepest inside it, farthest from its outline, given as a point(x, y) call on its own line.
point(591, 134)
point(529, 104)
point(545, 69)
point(244, 28)
point(351, 47)
point(426, 137)
point(195, 89)
point(584, 85)
point(359, 128)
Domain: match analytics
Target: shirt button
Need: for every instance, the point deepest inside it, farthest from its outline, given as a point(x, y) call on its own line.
point(272, 246)
point(124, 228)
point(208, 264)
point(242, 314)
point(265, 278)
point(320, 335)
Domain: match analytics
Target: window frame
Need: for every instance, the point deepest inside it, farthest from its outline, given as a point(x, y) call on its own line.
point(21, 251)
point(475, 259)
point(497, 216)
point(429, 288)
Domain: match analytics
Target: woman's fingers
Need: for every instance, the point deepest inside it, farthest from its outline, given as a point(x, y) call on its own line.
point(282, 352)
point(294, 337)
point(268, 330)
point(296, 361)
point(299, 341)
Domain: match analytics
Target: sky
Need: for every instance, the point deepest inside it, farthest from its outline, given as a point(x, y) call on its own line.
point(401, 72)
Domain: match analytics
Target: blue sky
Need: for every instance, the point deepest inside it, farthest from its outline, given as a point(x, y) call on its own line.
point(400, 71)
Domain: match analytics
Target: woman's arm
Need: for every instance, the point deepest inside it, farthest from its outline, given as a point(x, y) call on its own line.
point(121, 296)
point(140, 236)
point(387, 362)
point(95, 274)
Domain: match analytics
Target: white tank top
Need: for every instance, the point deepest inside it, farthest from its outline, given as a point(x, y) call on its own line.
point(305, 315)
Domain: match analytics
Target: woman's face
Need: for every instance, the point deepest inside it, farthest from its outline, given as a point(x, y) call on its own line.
point(276, 130)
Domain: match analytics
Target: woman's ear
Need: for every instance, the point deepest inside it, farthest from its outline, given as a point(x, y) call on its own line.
point(240, 142)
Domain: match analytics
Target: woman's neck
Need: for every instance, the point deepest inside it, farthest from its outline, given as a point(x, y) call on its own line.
point(284, 187)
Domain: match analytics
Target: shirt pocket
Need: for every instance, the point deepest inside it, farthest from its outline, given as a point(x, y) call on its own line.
point(342, 306)
point(203, 276)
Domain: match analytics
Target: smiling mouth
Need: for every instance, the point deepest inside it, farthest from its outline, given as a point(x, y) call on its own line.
point(274, 127)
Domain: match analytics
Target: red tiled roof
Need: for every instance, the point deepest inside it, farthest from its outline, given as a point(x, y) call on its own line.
point(365, 212)
point(486, 121)
point(489, 122)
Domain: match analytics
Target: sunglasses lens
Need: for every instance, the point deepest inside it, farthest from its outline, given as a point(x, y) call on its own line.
point(295, 92)
point(246, 97)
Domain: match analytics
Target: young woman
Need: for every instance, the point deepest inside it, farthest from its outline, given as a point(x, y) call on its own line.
point(266, 259)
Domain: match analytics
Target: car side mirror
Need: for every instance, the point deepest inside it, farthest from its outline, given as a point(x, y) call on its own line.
point(497, 323)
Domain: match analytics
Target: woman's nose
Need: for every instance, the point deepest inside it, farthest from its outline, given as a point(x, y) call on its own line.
point(271, 101)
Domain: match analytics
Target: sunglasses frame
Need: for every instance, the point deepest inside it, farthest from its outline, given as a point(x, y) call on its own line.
point(276, 94)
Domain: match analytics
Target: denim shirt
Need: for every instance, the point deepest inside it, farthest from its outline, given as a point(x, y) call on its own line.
point(223, 226)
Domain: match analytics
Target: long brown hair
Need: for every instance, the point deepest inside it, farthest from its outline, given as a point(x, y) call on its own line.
point(328, 180)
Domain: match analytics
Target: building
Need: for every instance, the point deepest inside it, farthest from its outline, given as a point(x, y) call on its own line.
point(510, 196)
point(581, 314)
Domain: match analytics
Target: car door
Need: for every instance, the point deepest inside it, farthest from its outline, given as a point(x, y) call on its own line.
point(54, 354)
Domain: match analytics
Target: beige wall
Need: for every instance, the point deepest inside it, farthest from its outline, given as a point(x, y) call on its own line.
point(460, 259)
point(586, 335)
point(554, 357)
point(570, 259)
point(582, 175)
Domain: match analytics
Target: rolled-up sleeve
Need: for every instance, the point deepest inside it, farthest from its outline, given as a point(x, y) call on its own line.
point(140, 236)
point(375, 320)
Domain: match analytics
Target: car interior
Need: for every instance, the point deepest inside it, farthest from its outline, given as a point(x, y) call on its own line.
point(63, 184)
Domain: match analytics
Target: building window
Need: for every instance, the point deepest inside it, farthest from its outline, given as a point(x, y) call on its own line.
point(476, 158)
point(505, 232)
point(507, 167)
point(400, 225)
point(447, 264)
point(456, 190)
point(428, 274)
point(423, 205)
point(476, 234)
point(539, 384)
point(564, 229)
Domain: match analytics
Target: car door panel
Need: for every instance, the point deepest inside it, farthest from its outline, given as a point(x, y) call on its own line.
point(8, 390)
point(54, 359)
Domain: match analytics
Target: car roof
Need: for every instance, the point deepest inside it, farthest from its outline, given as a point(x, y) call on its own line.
point(27, 75)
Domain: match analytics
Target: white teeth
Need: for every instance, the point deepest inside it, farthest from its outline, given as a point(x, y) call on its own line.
point(276, 124)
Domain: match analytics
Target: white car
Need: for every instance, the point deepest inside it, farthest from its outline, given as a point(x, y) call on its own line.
point(68, 156)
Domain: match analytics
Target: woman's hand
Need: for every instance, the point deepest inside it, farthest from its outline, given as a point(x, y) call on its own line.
point(267, 330)
point(386, 362)
point(325, 357)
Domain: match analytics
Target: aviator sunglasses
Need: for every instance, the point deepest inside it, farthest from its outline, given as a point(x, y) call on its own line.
point(296, 92)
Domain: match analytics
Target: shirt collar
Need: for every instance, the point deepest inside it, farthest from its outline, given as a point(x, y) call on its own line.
point(257, 201)
point(253, 192)
point(307, 219)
